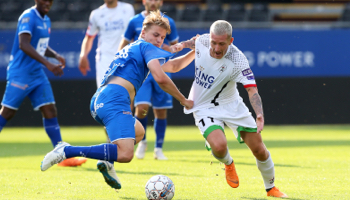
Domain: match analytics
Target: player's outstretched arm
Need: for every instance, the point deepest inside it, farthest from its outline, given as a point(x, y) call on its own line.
point(86, 45)
point(255, 101)
point(177, 64)
point(166, 84)
point(27, 48)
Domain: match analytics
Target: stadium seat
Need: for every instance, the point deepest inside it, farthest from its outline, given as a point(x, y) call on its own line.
point(191, 13)
point(236, 12)
point(213, 12)
point(345, 16)
point(78, 11)
point(10, 11)
point(57, 12)
point(259, 12)
point(170, 10)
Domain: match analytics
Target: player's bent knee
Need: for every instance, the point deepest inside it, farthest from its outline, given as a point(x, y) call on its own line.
point(125, 157)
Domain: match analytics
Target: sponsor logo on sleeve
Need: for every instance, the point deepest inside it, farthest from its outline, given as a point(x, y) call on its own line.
point(250, 77)
point(25, 20)
point(247, 72)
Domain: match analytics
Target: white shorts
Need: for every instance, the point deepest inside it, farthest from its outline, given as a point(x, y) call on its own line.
point(235, 115)
point(101, 67)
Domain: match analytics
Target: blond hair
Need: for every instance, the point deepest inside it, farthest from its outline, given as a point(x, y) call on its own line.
point(221, 27)
point(156, 18)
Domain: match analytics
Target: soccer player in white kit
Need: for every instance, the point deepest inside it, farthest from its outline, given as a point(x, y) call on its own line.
point(219, 65)
point(109, 21)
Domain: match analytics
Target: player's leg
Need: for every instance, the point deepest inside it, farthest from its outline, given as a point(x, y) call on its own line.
point(212, 130)
point(14, 95)
point(263, 161)
point(142, 102)
point(139, 131)
point(218, 144)
point(5, 115)
point(161, 102)
point(42, 99)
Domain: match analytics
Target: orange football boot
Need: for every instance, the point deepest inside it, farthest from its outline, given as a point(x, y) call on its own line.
point(72, 162)
point(275, 192)
point(231, 175)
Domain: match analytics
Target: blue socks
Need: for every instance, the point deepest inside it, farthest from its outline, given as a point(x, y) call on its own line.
point(53, 130)
point(160, 126)
point(144, 124)
point(108, 152)
point(3, 122)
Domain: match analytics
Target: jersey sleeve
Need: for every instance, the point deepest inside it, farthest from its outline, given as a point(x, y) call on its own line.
point(243, 74)
point(92, 29)
point(26, 24)
point(173, 36)
point(130, 31)
point(151, 52)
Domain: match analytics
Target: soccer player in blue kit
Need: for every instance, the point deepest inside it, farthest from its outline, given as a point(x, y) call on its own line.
point(111, 104)
point(150, 94)
point(25, 76)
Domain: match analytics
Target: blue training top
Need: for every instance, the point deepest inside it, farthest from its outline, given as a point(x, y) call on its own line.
point(131, 62)
point(39, 28)
point(135, 26)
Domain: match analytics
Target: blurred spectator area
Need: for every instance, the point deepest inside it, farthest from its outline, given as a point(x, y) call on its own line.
point(198, 13)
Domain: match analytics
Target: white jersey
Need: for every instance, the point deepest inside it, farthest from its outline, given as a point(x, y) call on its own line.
point(110, 25)
point(215, 79)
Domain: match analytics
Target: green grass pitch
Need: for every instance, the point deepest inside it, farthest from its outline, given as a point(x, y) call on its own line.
point(311, 162)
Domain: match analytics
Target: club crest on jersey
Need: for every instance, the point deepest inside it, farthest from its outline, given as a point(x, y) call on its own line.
point(201, 68)
point(198, 53)
point(223, 68)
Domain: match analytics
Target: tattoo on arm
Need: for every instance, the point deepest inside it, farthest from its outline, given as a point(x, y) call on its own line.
point(189, 44)
point(256, 103)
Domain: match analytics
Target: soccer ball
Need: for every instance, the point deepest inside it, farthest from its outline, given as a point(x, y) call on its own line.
point(160, 187)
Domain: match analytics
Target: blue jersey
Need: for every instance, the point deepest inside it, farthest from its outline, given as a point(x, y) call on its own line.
point(39, 28)
point(135, 26)
point(131, 62)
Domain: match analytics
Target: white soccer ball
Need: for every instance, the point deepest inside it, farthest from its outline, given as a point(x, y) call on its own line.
point(160, 187)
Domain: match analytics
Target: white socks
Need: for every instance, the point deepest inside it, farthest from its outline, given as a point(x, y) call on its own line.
point(227, 159)
point(267, 171)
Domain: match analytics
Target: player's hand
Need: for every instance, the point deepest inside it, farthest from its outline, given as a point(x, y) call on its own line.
point(176, 48)
point(260, 122)
point(61, 60)
point(84, 65)
point(188, 104)
point(57, 70)
point(195, 37)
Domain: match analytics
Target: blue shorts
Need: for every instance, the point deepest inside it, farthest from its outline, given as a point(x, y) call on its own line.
point(150, 93)
point(110, 106)
point(39, 92)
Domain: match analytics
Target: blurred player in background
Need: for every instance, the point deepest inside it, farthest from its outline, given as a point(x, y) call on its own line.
point(110, 106)
point(109, 21)
point(150, 94)
point(25, 76)
point(219, 65)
